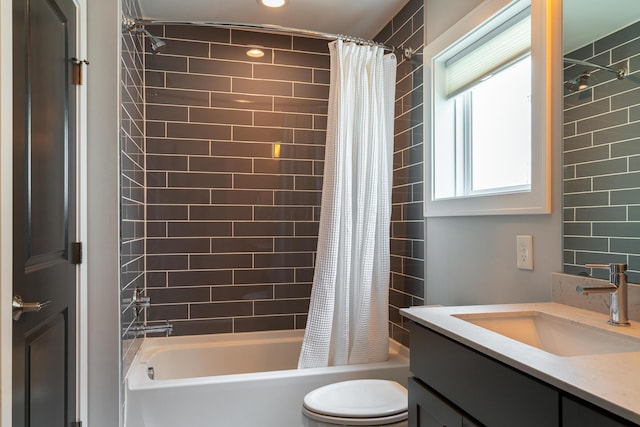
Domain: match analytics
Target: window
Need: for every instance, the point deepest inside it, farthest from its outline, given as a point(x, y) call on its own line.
point(493, 131)
point(487, 144)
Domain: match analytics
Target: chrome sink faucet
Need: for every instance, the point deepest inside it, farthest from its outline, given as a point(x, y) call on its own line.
point(617, 288)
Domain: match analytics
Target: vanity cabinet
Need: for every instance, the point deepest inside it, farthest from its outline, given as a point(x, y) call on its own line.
point(576, 413)
point(454, 385)
point(490, 392)
point(427, 409)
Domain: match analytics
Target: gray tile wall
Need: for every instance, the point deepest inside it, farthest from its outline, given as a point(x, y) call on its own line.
point(234, 163)
point(132, 181)
point(407, 228)
point(602, 159)
point(231, 229)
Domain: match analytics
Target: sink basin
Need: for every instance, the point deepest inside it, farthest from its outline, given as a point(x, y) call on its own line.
point(552, 334)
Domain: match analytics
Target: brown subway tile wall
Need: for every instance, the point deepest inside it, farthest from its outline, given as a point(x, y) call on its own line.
point(407, 223)
point(235, 150)
point(132, 175)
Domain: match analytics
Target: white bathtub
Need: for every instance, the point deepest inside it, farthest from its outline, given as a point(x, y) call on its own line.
point(234, 380)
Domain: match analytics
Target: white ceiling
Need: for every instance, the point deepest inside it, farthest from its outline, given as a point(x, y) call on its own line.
point(586, 21)
point(360, 18)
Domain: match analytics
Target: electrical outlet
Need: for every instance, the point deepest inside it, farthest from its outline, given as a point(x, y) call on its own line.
point(524, 252)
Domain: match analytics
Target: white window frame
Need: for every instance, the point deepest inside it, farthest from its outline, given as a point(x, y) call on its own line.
point(545, 46)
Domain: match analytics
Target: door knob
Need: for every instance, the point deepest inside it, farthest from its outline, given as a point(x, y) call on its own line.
point(19, 307)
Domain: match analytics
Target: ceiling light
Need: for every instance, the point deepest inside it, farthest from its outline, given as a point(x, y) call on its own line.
point(273, 3)
point(255, 53)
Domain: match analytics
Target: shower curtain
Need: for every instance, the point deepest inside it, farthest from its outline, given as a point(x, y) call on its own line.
point(348, 314)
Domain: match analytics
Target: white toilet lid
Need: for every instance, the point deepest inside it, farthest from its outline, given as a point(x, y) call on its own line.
point(358, 399)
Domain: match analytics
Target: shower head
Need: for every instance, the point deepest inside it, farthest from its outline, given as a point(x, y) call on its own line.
point(157, 45)
point(579, 83)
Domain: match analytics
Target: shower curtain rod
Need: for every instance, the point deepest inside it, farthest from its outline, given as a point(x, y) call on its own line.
point(407, 52)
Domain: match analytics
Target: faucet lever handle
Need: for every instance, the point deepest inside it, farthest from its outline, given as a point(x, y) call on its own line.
point(613, 267)
point(597, 266)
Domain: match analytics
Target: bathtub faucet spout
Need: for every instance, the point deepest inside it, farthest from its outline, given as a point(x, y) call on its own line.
point(166, 328)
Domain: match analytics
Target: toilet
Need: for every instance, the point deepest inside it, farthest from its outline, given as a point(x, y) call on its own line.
point(356, 403)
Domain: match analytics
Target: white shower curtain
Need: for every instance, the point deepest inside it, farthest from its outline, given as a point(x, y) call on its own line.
point(348, 315)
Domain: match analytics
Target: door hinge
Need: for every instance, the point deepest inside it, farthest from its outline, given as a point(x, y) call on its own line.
point(76, 253)
point(76, 424)
point(77, 70)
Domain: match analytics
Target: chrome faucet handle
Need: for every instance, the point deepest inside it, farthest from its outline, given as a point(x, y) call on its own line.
point(603, 266)
point(613, 267)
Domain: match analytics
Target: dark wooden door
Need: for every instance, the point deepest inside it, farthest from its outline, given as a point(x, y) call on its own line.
point(44, 213)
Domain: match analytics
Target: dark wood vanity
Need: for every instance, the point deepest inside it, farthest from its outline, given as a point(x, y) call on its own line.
point(455, 385)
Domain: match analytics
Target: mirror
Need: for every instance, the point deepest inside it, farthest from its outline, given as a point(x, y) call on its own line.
point(602, 136)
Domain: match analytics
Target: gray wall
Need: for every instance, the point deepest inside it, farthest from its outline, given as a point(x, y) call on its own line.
point(102, 204)
point(231, 228)
point(440, 15)
point(602, 158)
point(472, 260)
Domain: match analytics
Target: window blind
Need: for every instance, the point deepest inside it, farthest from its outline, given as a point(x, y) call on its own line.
point(507, 44)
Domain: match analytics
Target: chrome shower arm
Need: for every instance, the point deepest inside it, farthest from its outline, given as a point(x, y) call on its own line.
point(620, 72)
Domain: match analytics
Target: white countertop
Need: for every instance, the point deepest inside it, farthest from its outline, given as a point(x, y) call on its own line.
point(610, 381)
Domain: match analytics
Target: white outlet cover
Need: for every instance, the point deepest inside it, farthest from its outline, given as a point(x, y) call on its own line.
point(524, 252)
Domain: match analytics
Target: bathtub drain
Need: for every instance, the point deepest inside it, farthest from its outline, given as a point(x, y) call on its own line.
point(151, 372)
